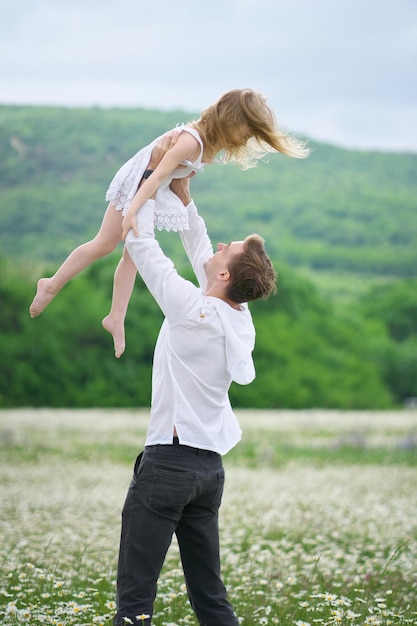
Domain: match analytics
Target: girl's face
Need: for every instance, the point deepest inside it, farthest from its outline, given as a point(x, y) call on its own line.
point(240, 135)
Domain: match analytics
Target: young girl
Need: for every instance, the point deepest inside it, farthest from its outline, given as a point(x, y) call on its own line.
point(239, 124)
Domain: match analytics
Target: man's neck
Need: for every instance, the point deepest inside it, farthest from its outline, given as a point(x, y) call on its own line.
point(217, 293)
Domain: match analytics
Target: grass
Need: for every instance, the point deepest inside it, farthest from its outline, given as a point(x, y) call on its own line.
point(318, 522)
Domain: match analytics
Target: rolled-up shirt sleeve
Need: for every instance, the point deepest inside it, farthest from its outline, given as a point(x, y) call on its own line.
point(197, 244)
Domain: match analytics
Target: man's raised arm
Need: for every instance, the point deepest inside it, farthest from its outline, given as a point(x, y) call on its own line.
point(196, 241)
point(172, 292)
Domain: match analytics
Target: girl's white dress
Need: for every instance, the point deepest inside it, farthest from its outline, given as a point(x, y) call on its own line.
point(170, 213)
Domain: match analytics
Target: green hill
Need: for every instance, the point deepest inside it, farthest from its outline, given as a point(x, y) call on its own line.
point(338, 212)
point(342, 219)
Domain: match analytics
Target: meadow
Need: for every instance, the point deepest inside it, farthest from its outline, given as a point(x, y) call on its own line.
point(318, 521)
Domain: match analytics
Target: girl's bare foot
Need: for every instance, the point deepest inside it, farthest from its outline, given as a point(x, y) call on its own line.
point(44, 295)
point(117, 331)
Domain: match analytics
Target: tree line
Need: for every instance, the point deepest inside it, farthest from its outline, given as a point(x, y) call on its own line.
point(309, 352)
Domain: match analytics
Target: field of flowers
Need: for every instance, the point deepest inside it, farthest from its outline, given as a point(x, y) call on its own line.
point(318, 521)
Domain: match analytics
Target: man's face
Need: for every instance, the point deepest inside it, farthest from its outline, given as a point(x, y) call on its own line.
point(219, 262)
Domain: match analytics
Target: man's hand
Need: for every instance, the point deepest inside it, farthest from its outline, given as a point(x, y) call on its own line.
point(165, 143)
point(181, 188)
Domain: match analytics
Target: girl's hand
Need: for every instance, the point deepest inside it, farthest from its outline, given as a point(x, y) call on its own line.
point(174, 148)
point(166, 142)
point(129, 222)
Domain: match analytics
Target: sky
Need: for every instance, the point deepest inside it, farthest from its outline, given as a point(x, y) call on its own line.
point(339, 71)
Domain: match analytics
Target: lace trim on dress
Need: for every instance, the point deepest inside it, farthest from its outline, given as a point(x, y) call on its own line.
point(121, 200)
point(172, 221)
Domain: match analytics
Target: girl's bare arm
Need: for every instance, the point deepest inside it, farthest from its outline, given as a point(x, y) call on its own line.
point(185, 148)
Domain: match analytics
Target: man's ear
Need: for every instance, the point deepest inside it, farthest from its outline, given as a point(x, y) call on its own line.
point(223, 276)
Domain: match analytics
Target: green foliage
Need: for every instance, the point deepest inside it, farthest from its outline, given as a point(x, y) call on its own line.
point(394, 305)
point(307, 353)
point(338, 214)
point(64, 357)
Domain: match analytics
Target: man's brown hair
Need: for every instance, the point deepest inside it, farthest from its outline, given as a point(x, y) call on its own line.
point(252, 275)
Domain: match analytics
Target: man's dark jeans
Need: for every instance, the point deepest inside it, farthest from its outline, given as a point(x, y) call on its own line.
point(174, 489)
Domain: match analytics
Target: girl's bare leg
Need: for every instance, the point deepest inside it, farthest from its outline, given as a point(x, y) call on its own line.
point(114, 322)
point(104, 242)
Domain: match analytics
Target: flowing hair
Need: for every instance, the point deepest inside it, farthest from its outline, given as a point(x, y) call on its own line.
point(235, 110)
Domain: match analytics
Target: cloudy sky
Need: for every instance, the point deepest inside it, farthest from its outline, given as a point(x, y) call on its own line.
point(340, 71)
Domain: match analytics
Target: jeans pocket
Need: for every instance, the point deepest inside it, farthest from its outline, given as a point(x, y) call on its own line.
point(216, 493)
point(137, 463)
point(171, 490)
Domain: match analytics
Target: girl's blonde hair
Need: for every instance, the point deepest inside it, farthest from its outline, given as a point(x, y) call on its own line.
point(236, 109)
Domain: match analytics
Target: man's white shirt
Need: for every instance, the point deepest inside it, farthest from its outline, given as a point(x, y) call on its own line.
point(203, 345)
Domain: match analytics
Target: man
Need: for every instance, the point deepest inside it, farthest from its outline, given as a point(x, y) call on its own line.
point(205, 343)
